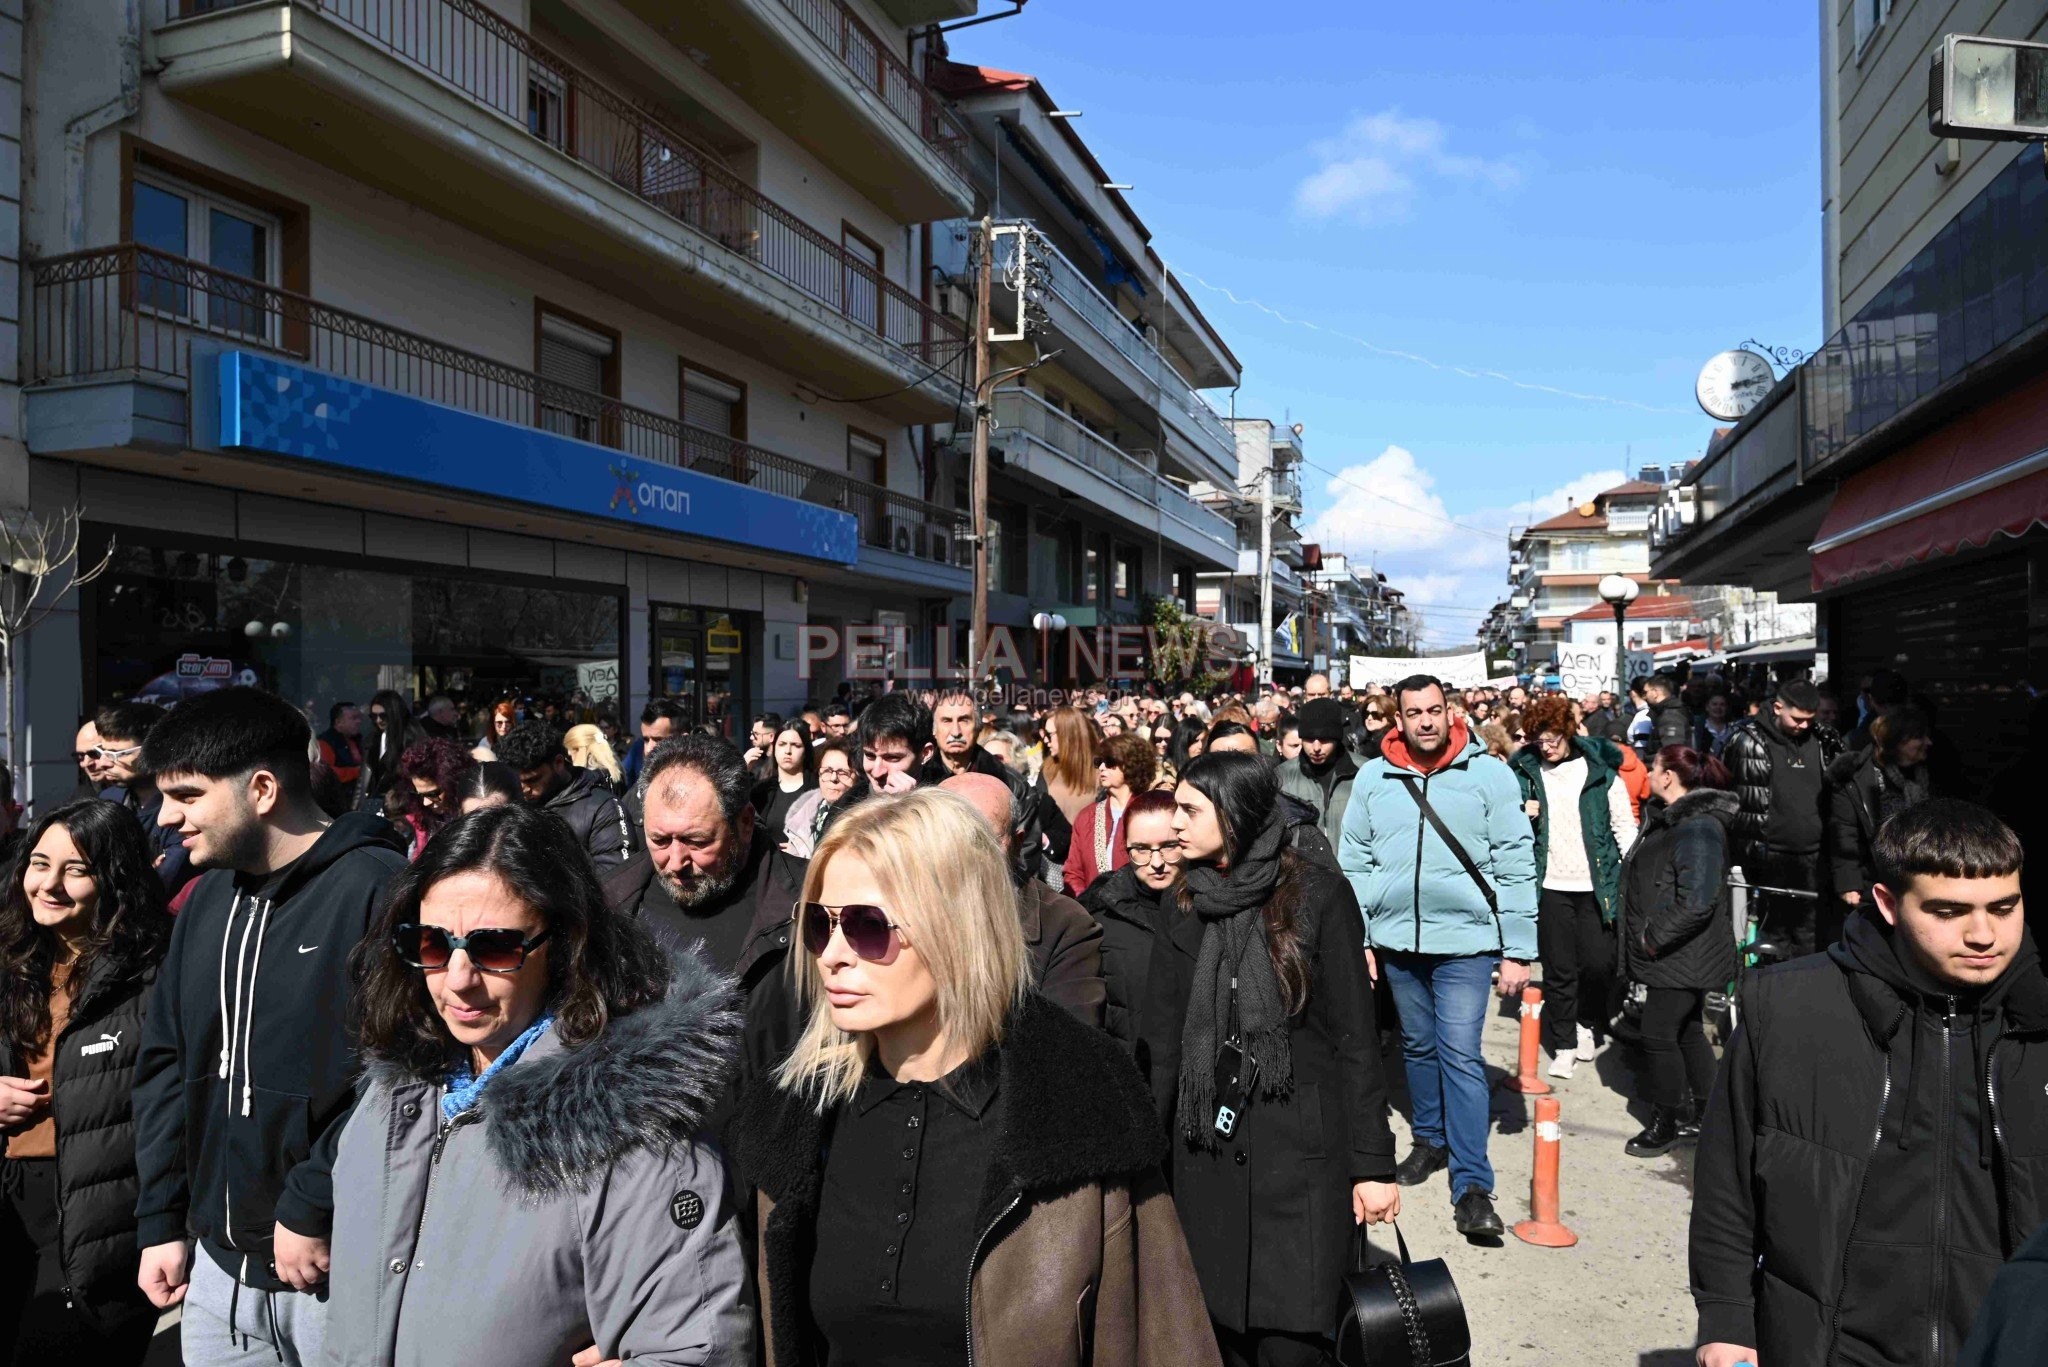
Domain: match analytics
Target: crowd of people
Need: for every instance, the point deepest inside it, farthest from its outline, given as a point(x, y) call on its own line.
point(911, 1031)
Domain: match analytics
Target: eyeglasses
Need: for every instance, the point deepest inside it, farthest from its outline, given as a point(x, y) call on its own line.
point(496, 949)
point(378, 714)
point(868, 929)
point(1166, 853)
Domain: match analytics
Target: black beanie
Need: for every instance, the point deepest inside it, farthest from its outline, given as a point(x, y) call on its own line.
point(1320, 719)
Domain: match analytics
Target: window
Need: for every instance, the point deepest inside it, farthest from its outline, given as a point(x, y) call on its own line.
point(1184, 586)
point(863, 297)
point(547, 106)
point(578, 365)
point(714, 403)
point(1869, 17)
point(1125, 574)
point(867, 460)
point(235, 240)
point(1091, 575)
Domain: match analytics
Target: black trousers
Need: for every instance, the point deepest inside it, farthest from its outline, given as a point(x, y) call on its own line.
point(35, 1324)
point(1578, 966)
point(1789, 921)
point(1675, 1046)
point(1272, 1348)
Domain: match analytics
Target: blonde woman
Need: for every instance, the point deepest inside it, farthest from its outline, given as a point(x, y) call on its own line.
point(1069, 770)
point(939, 1126)
point(588, 749)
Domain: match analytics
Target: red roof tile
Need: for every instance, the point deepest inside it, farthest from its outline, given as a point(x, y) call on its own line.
point(1572, 521)
point(1657, 609)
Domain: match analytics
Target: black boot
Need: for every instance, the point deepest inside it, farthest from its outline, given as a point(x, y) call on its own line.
point(1659, 1137)
point(1475, 1216)
point(1422, 1161)
point(1689, 1122)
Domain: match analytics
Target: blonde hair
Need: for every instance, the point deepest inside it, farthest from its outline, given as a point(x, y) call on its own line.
point(588, 749)
point(947, 885)
point(1073, 768)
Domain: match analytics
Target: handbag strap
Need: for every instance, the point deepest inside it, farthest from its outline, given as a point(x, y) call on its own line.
point(1359, 1243)
point(1436, 823)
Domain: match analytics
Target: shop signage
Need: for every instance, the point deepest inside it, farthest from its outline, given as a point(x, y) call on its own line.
point(723, 638)
point(275, 406)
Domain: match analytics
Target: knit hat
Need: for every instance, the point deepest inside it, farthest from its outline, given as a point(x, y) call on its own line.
point(1320, 719)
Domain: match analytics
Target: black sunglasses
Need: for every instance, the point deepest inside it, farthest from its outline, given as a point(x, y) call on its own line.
point(493, 950)
point(868, 929)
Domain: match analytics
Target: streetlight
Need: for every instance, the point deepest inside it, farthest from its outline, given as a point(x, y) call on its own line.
point(1988, 88)
point(1047, 623)
point(1619, 590)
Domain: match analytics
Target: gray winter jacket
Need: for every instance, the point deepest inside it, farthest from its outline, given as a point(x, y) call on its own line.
point(569, 1205)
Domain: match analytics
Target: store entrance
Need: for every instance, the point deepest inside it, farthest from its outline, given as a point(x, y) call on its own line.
point(701, 659)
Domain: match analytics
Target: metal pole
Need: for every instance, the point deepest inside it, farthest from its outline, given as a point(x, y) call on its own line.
point(977, 639)
point(1266, 571)
point(1620, 653)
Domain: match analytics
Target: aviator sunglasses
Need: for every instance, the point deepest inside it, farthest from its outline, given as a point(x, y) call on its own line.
point(493, 950)
point(868, 929)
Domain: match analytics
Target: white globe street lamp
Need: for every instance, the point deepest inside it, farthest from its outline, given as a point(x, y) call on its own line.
point(1619, 590)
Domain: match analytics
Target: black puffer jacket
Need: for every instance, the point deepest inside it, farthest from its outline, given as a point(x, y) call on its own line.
point(1675, 929)
point(1750, 750)
point(1670, 724)
point(1128, 913)
point(92, 1078)
point(1861, 793)
point(599, 819)
point(1871, 1154)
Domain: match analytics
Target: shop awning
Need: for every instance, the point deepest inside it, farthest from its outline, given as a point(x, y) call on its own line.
point(1978, 477)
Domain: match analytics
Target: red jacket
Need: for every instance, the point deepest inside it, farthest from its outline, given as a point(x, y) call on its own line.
point(1081, 869)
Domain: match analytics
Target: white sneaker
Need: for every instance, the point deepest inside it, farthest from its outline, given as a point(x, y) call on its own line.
point(1561, 1065)
point(1588, 1050)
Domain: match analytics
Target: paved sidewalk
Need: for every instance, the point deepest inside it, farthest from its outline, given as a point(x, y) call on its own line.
point(1616, 1299)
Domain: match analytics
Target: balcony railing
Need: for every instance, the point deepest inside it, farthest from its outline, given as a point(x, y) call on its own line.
point(131, 311)
point(500, 67)
point(1026, 412)
point(872, 66)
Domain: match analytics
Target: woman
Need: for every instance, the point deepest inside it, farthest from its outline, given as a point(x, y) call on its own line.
point(1111, 725)
point(1069, 771)
point(950, 1167)
point(1573, 795)
point(424, 801)
point(504, 716)
point(1676, 935)
point(588, 749)
point(1129, 906)
point(795, 774)
point(490, 784)
point(1868, 787)
point(838, 766)
point(1187, 742)
point(536, 1062)
point(1260, 958)
point(1123, 767)
point(81, 934)
point(395, 731)
point(1494, 736)
point(1714, 722)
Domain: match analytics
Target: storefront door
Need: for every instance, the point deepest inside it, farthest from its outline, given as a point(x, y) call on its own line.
point(700, 658)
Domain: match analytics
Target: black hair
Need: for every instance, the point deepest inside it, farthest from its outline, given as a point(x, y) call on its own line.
point(714, 758)
point(531, 745)
point(231, 732)
point(334, 712)
point(771, 720)
point(836, 709)
point(1185, 733)
point(1944, 838)
point(1224, 729)
point(1419, 683)
point(131, 926)
point(600, 966)
point(492, 778)
point(1800, 694)
point(896, 716)
point(1246, 793)
point(129, 721)
point(660, 708)
point(1887, 687)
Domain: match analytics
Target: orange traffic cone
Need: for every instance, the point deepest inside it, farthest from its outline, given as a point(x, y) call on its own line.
point(1530, 1082)
point(1544, 1229)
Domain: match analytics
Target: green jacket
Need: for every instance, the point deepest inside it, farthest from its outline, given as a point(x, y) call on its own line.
point(1603, 852)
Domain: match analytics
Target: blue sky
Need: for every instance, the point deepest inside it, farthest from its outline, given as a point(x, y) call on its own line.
point(1586, 197)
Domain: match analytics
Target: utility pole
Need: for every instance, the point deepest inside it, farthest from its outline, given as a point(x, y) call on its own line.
point(1266, 571)
point(977, 636)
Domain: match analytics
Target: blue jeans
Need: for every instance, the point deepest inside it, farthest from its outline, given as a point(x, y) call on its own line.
point(1443, 1001)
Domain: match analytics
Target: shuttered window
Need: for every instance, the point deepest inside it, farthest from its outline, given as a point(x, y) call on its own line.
point(577, 358)
point(712, 403)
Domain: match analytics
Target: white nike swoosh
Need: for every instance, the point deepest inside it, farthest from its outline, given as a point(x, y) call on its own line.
point(307, 949)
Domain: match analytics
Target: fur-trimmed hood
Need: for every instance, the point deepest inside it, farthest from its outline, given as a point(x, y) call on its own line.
point(559, 1117)
point(1718, 803)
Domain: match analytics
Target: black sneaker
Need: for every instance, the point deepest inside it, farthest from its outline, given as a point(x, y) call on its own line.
point(1422, 1161)
point(1476, 1217)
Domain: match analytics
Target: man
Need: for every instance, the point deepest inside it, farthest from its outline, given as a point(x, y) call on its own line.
point(581, 797)
point(1315, 686)
point(341, 748)
point(123, 728)
point(662, 719)
point(85, 750)
point(1601, 721)
point(838, 721)
point(1323, 774)
point(710, 878)
point(1064, 939)
point(897, 752)
point(441, 720)
point(1779, 761)
point(1670, 723)
point(1441, 922)
point(815, 720)
point(955, 721)
point(760, 755)
point(1866, 1163)
point(1518, 698)
point(248, 1070)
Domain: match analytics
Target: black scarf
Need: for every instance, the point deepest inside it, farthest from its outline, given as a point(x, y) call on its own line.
point(1234, 952)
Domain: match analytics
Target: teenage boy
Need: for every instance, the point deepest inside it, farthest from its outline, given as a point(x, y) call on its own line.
point(247, 1071)
point(1871, 1152)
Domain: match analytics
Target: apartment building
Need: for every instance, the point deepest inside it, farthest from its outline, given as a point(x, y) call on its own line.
point(613, 312)
point(1095, 449)
point(1896, 477)
point(1353, 610)
point(1266, 525)
point(1555, 565)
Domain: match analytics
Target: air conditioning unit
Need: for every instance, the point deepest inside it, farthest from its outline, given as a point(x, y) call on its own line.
point(899, 534)
point(954, 302)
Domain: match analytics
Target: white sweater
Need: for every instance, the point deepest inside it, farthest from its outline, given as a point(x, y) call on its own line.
point(1566, 868)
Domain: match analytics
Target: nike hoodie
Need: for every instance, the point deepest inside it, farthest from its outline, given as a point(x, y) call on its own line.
point(247, 1068)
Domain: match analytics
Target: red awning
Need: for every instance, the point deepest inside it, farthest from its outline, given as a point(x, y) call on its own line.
point(1978, 477)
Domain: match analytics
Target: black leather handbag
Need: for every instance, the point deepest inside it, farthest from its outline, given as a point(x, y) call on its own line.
point(1404, 1314)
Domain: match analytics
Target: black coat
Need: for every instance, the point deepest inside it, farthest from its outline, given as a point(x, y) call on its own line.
point(92, 1077)
point(598, 818)
point(1675, 929)
point(1670, 724)
point(1847, 1125)
point(1127, 911)
point(2012, 1324)
point(1750, 750)
point(1268, 1212)
point(1858, 792)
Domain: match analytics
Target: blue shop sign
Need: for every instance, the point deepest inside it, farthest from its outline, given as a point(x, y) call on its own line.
point(272, 405)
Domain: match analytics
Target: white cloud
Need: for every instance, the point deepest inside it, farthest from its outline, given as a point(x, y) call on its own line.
point(1372, 171)
point(1387, 512)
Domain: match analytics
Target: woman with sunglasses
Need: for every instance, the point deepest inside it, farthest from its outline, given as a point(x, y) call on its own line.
point(950, 1167)
point(520, 1181)
point(82, 931)
point(1128, 904)
point(1260, 977)
point(1123, 766)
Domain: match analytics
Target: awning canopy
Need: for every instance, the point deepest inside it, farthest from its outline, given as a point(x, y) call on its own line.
point(1980, 476)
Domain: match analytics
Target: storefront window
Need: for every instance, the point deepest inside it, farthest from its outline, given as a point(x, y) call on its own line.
point(699, 658)
point(166, 623)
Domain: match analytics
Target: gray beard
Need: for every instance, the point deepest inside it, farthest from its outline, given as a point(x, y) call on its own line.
point(703, 888)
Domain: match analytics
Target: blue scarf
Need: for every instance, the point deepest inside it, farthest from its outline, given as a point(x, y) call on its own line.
point(464, 1088)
